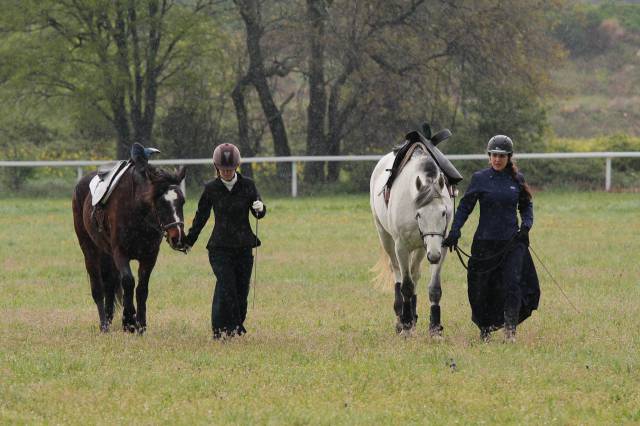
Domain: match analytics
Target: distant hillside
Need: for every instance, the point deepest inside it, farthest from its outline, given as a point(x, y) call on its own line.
point(597, 90)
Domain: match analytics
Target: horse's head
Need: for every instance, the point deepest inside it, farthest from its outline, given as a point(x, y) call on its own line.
point(433, 209)
point(167, 201)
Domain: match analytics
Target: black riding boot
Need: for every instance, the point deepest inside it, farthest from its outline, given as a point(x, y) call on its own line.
point(485, 334)
point(510, 323)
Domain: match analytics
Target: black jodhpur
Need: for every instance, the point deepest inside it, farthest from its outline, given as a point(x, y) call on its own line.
point(497, 293)
point(232, 268)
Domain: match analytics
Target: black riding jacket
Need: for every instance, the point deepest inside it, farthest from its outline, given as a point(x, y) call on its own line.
point(500, 197)
point(230, 209)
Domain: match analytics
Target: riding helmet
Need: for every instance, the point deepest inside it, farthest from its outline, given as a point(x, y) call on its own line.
point(226, 157)
point(500, 144)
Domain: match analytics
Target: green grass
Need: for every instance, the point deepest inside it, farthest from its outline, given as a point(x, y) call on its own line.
point(321, 347)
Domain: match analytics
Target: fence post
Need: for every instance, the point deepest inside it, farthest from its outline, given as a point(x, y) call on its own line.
point(607, 175)
point(294, 179)
point(80, 172)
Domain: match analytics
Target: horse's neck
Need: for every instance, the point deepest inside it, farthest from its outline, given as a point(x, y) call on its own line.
point(132, 197)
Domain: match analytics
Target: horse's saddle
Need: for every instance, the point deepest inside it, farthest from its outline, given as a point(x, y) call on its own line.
point(103, 183)
point(414, 140)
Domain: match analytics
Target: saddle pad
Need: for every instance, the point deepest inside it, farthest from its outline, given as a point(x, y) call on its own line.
point(103, 184)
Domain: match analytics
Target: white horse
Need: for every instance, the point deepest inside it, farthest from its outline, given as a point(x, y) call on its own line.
point(412, 225)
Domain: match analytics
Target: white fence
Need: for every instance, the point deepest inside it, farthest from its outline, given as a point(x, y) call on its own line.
point(294, 160)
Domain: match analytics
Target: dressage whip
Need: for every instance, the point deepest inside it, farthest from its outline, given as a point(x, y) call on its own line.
point(255, 268)
point(555, 282)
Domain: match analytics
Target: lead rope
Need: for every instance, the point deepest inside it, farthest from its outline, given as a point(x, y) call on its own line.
point(554, 281)
point(255, 269)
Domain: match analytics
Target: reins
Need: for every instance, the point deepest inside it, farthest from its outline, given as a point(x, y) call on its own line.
point(501, 254)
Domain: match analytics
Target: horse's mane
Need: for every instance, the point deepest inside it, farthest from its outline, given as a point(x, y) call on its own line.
point(428, 191)
point(154, 181)
point(161, 176)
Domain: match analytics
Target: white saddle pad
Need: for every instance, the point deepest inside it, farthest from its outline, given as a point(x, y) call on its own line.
point(103, 184)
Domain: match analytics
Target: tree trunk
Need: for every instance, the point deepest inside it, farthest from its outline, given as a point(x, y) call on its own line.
point(316, 111)
point(249, 10)
point(121, 124)
point(243, 125)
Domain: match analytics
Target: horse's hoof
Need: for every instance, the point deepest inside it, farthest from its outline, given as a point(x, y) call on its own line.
point(436, 331)
point(128, 328)
point(509, 334)
point(141, 329)
point(104, 328)
point(408, 333)
point(398, 327)
point(408, 330)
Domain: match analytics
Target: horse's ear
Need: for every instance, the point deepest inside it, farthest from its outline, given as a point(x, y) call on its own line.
point(181, 173)
point(418, 183)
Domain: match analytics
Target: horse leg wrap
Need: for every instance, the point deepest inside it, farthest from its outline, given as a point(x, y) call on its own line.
point(397, 304)
point(414, 307)
point(435, 315)
point(435, 328)
point(406, 289)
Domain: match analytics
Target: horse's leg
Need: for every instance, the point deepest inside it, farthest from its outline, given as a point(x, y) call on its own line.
point(435, 293)
point(128, 284)
point(389, 247)
point(92, 264)
point(416, 261)
point(111, 283)
point(93, 268)
point(407, 288)
point(142, 291)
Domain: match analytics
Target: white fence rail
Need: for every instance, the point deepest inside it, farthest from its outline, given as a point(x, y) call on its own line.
point(294, 160)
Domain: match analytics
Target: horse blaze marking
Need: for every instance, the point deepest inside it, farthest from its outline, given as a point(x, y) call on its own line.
point(171, 196)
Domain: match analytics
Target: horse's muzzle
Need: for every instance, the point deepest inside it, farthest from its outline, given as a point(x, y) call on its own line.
point(434, 257)
point(175, 237)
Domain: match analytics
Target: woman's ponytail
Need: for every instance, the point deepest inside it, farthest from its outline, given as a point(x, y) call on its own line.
point(511, 165)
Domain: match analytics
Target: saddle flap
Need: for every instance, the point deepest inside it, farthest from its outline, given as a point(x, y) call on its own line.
point(105, 181)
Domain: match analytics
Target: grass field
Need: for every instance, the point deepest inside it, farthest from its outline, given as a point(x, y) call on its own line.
point(321, 347)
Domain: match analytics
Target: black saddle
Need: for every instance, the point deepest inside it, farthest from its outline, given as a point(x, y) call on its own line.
point(400, 150)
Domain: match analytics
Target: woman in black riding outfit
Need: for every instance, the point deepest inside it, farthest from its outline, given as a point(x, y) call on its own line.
point(231, 196)
point(503, 286)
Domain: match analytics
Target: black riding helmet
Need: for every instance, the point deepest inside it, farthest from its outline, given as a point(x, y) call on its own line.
point(500, 144)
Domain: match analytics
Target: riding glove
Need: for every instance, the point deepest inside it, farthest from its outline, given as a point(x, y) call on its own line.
point(452, 239)
point(258, 206)
point(523, 236)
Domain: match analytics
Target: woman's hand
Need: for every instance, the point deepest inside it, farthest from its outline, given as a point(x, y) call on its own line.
point(523, 236)
point(451, 240)
point(257, 206)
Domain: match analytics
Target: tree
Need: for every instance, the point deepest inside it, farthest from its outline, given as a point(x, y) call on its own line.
point(111, 56)
point(258, 75)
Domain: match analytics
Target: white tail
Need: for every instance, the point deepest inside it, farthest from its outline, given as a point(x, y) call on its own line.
point(384, 279)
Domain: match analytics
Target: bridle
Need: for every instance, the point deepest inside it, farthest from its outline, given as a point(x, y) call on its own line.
point(446, 225)
point(165, 234)
point(164, 228)
point(431, 233)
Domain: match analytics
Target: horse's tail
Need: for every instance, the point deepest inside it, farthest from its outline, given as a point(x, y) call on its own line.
point(118, 298)
point(384, 279)
point(111, 279)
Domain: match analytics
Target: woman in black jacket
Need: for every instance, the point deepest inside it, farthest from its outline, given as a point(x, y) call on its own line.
point(231, 196)
point(503, 286)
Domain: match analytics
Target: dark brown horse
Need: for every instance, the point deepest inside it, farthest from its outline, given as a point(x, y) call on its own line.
point(146, 204)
